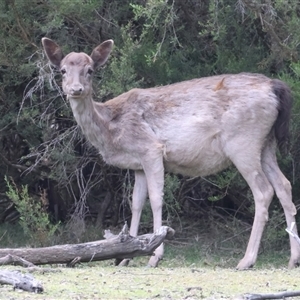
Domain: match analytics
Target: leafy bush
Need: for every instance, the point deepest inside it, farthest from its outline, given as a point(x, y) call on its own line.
point(157, 42)
point(34, 218)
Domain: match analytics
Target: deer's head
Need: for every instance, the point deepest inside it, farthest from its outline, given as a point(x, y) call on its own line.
point(77, 68)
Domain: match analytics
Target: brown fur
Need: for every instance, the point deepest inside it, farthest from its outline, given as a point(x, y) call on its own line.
point(220, 85)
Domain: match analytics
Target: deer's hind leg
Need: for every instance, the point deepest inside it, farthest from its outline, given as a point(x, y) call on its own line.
point(248, 162)
point(283, 191)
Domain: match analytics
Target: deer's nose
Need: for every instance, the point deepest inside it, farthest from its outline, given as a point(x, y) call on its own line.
point(76, 90)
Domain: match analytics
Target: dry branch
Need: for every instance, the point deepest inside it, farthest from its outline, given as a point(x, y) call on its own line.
point(281, 295)
point(115, 246)
point(15, 260)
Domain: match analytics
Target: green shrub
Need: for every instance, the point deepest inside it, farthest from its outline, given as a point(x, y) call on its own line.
point(34, 218)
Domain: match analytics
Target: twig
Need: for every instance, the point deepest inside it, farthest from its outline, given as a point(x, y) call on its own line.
point(293, 234)
point(72, 263)
point(113, 24)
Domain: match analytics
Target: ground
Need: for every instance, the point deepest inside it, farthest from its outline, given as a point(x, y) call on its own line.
point(198, 264)
point(102, 280)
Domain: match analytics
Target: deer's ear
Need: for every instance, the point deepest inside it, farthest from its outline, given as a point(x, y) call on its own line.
point(101, 53)
point(53, 51)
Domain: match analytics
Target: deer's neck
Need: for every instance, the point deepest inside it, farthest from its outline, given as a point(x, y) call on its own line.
point(92, 120)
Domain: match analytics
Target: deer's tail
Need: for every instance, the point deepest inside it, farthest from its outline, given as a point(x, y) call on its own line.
point(282, 123)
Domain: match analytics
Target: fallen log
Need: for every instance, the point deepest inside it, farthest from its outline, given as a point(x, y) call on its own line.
point(21, 281)
point(114, 247)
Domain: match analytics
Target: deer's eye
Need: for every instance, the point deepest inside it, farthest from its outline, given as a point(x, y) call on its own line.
point(63, 71)
point(90, 71)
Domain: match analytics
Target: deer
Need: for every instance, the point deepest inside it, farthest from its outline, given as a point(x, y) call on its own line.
point(195, 128)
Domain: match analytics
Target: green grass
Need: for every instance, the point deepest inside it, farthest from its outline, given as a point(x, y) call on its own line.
point(203, 256)
point(98, 281)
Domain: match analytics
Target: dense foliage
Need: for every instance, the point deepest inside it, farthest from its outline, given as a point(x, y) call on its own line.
point(157, 42)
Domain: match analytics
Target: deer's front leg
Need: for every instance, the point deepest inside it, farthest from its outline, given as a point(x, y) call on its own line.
point(139, 196)
point(155, 180)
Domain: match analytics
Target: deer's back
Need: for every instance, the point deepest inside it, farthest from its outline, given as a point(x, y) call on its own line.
point(199, 123)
